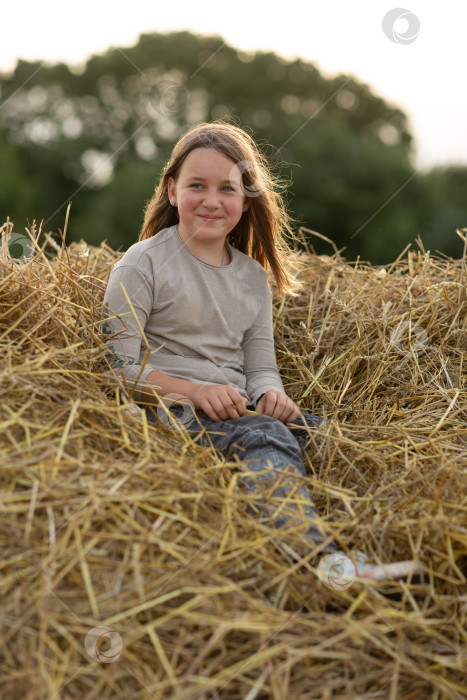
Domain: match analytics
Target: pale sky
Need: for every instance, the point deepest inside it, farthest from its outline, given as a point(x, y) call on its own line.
point(425, 76)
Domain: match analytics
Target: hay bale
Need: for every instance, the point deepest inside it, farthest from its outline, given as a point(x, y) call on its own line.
point(130, 567)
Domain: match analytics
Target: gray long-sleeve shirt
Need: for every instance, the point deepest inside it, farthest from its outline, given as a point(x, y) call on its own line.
point(203, 323)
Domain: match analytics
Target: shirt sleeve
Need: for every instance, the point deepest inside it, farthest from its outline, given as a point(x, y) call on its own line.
point(260, 366)
point(121, 325)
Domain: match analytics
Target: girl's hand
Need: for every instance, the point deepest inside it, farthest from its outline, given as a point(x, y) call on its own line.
point(218, 401)
point(278, 405)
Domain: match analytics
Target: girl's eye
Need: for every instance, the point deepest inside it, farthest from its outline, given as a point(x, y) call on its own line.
point(226, 187)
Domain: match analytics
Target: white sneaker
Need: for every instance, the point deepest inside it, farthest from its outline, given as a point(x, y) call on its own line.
point(339, 570)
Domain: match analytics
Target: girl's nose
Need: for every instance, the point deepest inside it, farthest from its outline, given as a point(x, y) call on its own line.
point(211, 198)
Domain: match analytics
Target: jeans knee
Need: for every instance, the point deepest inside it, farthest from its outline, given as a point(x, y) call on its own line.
point(281, 432)
point(273, 426)
point(270, 432)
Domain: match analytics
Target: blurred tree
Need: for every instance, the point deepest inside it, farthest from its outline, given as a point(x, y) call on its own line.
point(444, 209)
point(16, 189)
point(100, 137)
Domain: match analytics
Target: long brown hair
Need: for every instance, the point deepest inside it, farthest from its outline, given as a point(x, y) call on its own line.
point(260, 233)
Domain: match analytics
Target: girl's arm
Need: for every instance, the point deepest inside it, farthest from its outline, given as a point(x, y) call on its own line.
point(264, 384)
point(218, 401)
point(260, 366)
point(128, 301)
point(164, 384)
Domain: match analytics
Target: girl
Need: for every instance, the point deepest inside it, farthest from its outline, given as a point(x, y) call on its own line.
point(196, 284)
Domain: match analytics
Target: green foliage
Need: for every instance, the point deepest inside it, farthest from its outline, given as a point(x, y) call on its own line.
point(444, 209)
point(101, 137)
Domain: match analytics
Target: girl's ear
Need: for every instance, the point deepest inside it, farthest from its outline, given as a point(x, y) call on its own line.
point(171, 188)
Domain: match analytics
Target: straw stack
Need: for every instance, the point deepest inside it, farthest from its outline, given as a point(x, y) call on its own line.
point(130, 567)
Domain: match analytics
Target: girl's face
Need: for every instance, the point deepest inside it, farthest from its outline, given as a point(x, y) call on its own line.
point(209, 196)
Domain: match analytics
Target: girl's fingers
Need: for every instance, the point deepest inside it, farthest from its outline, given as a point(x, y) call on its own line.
point(232, 411)
point(285, 413)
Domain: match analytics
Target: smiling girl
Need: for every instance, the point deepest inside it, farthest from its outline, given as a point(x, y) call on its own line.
point(197, 283)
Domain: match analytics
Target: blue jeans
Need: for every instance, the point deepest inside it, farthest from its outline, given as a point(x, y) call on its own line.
point(270, 455)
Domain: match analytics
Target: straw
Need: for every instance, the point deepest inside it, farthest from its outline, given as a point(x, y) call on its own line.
point(131, 565)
